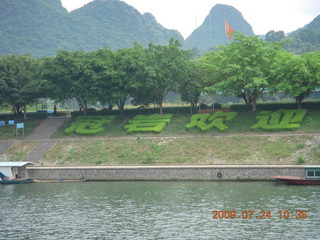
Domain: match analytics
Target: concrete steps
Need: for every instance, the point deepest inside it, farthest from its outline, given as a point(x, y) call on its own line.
point(41, 134)
point(39, 151)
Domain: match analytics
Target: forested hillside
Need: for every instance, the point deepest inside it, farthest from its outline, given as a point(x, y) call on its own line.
point(43, 27)
point(306, 39)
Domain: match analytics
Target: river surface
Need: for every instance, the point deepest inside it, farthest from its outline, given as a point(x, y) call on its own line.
point(159, 210)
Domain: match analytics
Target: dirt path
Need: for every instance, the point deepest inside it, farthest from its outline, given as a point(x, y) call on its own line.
point(47, 128)
point(42, 134)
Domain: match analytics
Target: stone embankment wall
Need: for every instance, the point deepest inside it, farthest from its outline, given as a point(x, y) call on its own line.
point(165, 173)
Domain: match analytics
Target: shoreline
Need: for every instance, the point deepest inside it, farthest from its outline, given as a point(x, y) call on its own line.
point(164, 172)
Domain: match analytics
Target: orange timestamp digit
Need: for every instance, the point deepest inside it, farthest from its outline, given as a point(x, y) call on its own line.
point(250, 214)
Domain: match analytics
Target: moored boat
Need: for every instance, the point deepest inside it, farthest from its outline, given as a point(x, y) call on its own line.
point(17, 181)
point(14, 172)
point(312, 177)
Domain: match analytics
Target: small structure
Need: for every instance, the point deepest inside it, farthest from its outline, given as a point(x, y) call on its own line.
point(19, 126)
point(13, 170)
point(312, 177)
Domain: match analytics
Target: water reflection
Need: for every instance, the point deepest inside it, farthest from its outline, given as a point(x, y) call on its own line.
point(155, 210)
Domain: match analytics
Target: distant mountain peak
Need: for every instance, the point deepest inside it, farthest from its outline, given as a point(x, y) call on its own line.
point(212, 33)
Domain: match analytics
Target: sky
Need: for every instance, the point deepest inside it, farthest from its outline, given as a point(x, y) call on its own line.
point(186, 15)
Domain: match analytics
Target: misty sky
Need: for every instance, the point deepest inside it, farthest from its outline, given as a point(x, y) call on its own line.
point(186, 15)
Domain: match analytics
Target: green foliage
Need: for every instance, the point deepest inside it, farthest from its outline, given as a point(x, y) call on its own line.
point(191, 84)
point(148, 123)
point(315, 105)
point(296, 75)
point(136, 111)
point(300, 146)
point(241, 68)
point(304, 40)
point(17, 85)
point(273, 36)
point(301, 159)
point(280, 120)
point(206, 122)
point(42, 27)
point(89, 125)
point(164, 68)
point(72, 75)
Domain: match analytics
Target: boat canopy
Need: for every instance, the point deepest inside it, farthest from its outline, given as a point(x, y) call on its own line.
point(11, 169)
point(15, 164)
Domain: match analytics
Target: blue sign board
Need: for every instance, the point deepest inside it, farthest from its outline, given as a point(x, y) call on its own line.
point(50, 111)
point(2, 123)
point(11, 122)
point(20, 125)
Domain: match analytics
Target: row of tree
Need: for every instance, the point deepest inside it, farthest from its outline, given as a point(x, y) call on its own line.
point(247, 67)
point(145, 75)
point(250, 66)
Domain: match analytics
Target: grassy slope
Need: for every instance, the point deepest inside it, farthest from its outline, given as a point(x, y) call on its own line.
point(197, 150)
point(212, 147)
point(202, 148)
point(18, 151)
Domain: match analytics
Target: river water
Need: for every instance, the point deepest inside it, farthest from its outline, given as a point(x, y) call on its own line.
point(159, 210)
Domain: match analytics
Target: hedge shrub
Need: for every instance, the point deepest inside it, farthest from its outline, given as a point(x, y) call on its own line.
point(89, 125)
point(18, 116)
point(205, 122)
point(136, 111)
point(148, 123)
point(315, 105)
point(280, 120)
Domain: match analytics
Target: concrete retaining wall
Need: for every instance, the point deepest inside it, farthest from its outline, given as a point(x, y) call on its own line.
point(165, 173)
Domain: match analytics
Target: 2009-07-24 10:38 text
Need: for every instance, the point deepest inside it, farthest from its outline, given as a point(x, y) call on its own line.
point(250, 214)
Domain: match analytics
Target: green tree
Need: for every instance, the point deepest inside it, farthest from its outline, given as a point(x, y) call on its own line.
point(297, 75)
point(241, 68)
point(190, 85)
point(120, 75)
point(273, 36)
point(70, 75)
point(17, 80)
point(129, 68)
point(103, 73)
point(163, 70)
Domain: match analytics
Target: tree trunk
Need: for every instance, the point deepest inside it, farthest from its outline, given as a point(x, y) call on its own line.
point(191, 109)
point(160, 105)
point(254, 104)
point(243, 95)
point(121, 103)
point(299, 100)
point(25, 112)
point(85, 107)
point(299, 103)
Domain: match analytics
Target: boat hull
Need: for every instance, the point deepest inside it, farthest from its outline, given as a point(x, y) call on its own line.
point(17, 181)
point(297, 180)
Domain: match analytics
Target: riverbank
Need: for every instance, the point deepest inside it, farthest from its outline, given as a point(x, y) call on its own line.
point(269, 149)
point(164, 172)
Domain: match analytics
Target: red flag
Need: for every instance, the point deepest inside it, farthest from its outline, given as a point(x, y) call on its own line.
point(228, 29)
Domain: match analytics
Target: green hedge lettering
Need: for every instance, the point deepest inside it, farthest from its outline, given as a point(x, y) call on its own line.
point(206, 122)
point(280, 120)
